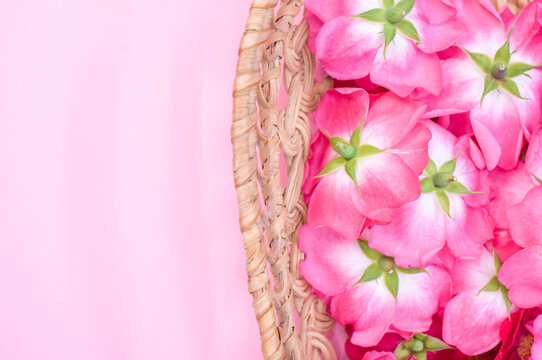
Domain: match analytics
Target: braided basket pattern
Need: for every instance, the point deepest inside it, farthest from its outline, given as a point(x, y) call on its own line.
point(273, 57)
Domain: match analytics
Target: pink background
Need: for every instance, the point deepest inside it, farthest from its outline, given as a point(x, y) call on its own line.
point(118, 223)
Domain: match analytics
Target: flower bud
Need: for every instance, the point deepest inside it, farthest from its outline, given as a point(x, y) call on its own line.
point(343, 148)
point(386, 263)
point(441, 179)
point(394, 15)
point(499, 71)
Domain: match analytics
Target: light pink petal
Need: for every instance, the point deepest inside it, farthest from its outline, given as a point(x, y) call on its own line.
point(498, 120)
point(413, 149)
point(526, 36)
point(415, 235)
point(406, 68)
point(469, 175)
point(473, 273)
point(472, 322)
point(522, 275)
point(533, 160)
point(378, 355)
point(390, 120)
point(525, 219)
point(332, 262)
point(468, 230)
point(419, 297)
point(529, 110)
point(442, 144)
point(369, 307)
point(536, 350)
point(332, 205)
point(347, 47)
point(462, 88)
point(509, 188)
point(327, 10)
point(341, 110)
point(385, 182)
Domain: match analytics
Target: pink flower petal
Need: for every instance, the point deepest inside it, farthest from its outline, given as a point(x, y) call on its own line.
point(413, 149)
point(379, 355)
point(369, 307)
point(327, 10)
point(536, 350)
point(522, 275)
point(525, 219)
point(533, 160)
point(526, 36)
point(471, 322)
point(473, 273)
point(333, 263)
point(347, 47)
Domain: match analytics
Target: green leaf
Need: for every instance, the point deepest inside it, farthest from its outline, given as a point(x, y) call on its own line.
point(392, 283)
point(493, 285)
point(374, 15)
point(504, 292)
point(411, 270)
point(408, 29)
point(489, 86)
point(355, 139)
point(498, 262)
point(449, 166)
point(406, 5)
point(388, 3)
point(427, 185)
point(421, 355)
point(373, 272)
point(350, 168)
point(333, 165)
point(483, 61)
point(455, 187)
point(370, 253)
point(434, 344)
point(389, 35)
point(503, 54)
point(510, 86)
point(444, 201)
point(368, 150)
point(519, 68)
point(401, 352)
point(431, 168)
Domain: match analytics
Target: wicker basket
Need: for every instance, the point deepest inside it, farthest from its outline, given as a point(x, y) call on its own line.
point(291, 319)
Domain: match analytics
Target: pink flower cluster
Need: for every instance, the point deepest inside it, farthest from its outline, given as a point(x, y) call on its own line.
point(424, 226)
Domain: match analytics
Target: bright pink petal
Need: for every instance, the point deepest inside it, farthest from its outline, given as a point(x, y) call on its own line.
point(526, 36)
point(472, 321)
point(522, 275)
point(390, 120)
point(385, 182)
point(341, 111)
point(504, 246)
point(468, 174)
point(413, 149)
point(320, 154)
point(529, 110)
point(315, 25)
point(415, 235)
point(327, 10)
point(406, 68)
point(533, 160)
point(379, 355)
point(332, 205)
point(347, 47)
point(525, 219)
point(473, 273)
point(419, 297)
point(332, 262)
point(369, 307)
point(536, 350)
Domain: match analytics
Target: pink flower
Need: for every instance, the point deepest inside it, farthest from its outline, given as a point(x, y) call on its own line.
point(367, 289)
point(487, 80)
point(446, 212)
point(371, 162)
point(472, 319)
point(356, 38)
point(522, 276)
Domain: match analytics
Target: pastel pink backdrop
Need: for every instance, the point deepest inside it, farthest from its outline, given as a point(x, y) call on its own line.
point(118, 218)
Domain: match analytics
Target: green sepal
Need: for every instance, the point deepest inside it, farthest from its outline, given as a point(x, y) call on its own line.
point(389, 34)
point(333, 165)
point(489, 86)
point(483, 61)
point(422, 355)
point(355, 139)
point(411, 270)
point(435, 344)
point(338, 144)
point(374, 15)
point(511, 86)
point(368, 150)
point(420, 336)
point(455, 187)
point(503, 54)
point(504, 292)
point(388, 3)
point(401, 352)
point(444, 201)
point(350, 168)
point(392, 283)
point(498, 262)
point(493, 285)
point(406, 5)
point(372, 272)
point(408, 29)
point(427, 185)
point(431, 168)
point(519, 68)
point(367, 251)
point(449, 166)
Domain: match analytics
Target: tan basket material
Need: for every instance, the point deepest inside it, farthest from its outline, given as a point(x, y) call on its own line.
point(271, 46)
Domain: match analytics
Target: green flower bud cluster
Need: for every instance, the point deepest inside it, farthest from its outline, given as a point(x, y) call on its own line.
point(418, 346)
